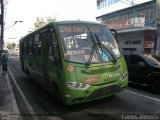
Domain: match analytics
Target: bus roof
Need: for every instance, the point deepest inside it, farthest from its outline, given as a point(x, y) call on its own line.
point(74, 22)
point(59, 22)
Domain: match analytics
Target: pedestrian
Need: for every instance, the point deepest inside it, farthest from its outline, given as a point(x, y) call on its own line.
point(4, 62)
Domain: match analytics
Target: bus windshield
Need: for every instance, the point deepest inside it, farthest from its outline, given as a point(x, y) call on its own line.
point(82, 42)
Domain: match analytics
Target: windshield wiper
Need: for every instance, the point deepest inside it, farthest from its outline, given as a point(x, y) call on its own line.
point(106, 49)
point(91, 55)
point(94, 47)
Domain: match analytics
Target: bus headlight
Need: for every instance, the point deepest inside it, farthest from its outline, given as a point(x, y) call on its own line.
point(124, 76)
point(77, 86)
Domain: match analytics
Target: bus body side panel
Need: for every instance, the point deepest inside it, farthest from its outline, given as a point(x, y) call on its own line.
point(21, 47)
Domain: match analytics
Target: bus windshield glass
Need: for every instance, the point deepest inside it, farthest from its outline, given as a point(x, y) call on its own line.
point(83, 42)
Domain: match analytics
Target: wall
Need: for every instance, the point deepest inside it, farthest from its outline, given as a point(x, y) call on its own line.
point(118, 6)
point(158, 26)
point(132, 36)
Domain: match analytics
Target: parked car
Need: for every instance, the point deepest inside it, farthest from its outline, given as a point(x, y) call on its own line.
point(157, 57)
point(144, 70)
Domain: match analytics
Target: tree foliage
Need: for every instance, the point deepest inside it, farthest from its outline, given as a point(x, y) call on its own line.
point(40, 21)
point(11, 46)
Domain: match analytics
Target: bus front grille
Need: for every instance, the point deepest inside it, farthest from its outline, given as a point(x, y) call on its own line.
point(104, 91)
point(101, 70)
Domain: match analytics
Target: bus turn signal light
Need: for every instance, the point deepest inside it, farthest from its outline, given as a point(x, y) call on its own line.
point(70, 68)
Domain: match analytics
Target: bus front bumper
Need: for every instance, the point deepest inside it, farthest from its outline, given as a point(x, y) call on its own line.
point(73, 96)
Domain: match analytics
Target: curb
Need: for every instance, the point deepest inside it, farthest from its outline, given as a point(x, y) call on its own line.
point(14, 113)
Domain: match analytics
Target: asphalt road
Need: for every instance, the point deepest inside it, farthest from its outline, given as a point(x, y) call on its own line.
point(135, 103)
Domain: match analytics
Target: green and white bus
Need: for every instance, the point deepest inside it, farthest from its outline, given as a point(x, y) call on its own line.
point(77, 61)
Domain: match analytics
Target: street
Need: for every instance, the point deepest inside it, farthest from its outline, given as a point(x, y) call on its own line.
point(136, 102)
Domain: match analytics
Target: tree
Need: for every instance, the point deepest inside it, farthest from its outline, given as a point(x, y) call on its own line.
point(40, 21)
point(11, 46)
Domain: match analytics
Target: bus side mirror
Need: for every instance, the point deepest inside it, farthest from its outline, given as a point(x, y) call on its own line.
point(114, 32)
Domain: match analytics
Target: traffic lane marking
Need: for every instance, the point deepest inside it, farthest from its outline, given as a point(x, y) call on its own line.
point(31, 110)
point(144, 96)
point(13, 99)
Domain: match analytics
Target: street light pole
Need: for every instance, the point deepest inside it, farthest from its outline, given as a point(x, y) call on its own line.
point(15, 22)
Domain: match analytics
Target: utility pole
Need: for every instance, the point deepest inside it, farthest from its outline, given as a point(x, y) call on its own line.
point(2, 25)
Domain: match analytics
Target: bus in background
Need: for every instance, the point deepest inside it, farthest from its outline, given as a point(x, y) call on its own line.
point(76, 61)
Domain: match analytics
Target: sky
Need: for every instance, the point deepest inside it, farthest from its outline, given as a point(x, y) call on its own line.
point(28, 10)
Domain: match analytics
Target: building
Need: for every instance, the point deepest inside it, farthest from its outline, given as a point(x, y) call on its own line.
point(138, 25)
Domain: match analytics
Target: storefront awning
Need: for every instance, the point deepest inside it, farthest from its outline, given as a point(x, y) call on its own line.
point(136, 29)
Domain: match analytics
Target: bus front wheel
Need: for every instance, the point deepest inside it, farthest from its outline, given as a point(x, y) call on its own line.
point(155, 85)
point(58, 95)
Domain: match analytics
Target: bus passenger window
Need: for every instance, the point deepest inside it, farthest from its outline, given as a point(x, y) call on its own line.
point(37, 50)
point(37, 45)
point(50, 47)
point(25, 47)
point(30, 46)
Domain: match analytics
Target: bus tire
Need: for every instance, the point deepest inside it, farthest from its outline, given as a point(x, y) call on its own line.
point(58, 95)
point(155, 85)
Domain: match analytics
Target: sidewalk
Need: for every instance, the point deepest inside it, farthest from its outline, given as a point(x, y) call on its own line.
point(8, 105)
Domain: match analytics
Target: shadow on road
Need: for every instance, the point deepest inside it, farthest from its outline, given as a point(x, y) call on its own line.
point(141, 87)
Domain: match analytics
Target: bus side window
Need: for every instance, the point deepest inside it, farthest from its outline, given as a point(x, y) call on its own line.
point(50, 47)
point(30, 46)
point(55, 50)
point(52, 51)
point(54, 46)
point(37, 46)
point(25, 47)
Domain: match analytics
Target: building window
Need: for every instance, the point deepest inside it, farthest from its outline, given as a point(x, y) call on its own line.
point(111, 2)
point(105, 3)
point(149, 13)
point(145, 12)
point(30, 45)
point(141, 12)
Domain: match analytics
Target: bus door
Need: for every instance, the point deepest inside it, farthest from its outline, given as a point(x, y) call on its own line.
point(30, 55)
point(44, 59)
point(22, 55)
point(37, 68)
point(50, 59)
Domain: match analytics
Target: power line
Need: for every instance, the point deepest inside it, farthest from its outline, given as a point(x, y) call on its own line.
point(18, 31)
